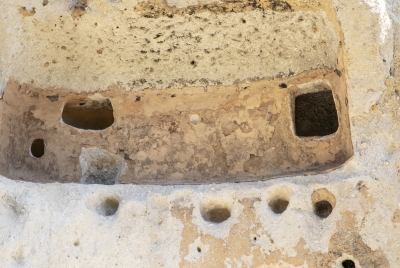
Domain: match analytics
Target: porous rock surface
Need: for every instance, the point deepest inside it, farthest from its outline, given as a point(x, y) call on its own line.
point(347, 216)
point(132, 82)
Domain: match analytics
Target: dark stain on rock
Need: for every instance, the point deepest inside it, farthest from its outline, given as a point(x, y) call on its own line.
point(53, 98)
point(253, 164)
point(79, 9)
point(281, 6)
point(229, 127)
point(245, 128)
point(173, 128)
point(156, 9)
point(27, 13)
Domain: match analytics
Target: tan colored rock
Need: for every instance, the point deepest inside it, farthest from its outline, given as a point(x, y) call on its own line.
point(205, 98)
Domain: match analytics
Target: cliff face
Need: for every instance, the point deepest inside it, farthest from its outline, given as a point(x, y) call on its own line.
point(296, 100)
point(188, 93)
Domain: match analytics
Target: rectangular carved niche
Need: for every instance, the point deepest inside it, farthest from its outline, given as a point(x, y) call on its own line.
point(314, 111)
point(243, 132)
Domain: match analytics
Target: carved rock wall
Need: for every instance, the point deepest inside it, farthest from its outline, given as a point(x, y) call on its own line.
point(347, 217)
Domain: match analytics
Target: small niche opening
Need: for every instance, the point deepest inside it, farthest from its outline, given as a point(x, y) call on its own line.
point(315, 114)
point(215, 212)
point(88, 114)
point(348, 264)
point(37, 148)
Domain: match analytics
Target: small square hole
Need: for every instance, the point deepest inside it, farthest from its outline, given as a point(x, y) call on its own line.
point(315, 114)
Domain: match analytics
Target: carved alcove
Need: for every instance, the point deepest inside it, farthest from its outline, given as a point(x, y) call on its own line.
point(263, 100)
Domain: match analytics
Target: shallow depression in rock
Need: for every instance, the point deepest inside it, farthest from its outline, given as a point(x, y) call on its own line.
point(88, 114)
point(215, 211)
point(109, 206)
point(279, 205)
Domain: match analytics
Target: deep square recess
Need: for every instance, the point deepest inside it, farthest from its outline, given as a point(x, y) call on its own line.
point(315, 114)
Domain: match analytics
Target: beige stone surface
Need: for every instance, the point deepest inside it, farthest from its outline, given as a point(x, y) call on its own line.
point(241, 135)
point(79, 225)
point(113, 43)
point(238, 66)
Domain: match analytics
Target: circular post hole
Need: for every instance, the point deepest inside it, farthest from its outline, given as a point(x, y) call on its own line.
point(348, 264)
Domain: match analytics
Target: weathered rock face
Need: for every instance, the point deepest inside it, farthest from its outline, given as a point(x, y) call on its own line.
point(209, 93)
point(225, 134)
point(198, 92)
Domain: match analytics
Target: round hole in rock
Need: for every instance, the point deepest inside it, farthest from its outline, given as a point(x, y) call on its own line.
point(279, 205)
point(217, 215)
point(37, 148)
point(324, 202)
point(283, 85)
point(323, 209)
point(88, 114)
point(348, 264)
point(278, 198)
point(215, 211)
point(315, 114)
point(198, 249)
point(109, 206)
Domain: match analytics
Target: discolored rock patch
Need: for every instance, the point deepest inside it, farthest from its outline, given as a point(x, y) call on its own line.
point(155, 9)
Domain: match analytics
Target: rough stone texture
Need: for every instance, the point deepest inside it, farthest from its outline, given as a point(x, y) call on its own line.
point(100, 167)
point(66, 225)
point(241, 135)
point(136, 52)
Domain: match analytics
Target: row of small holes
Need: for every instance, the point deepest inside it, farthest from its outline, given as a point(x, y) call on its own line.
point(219, 214)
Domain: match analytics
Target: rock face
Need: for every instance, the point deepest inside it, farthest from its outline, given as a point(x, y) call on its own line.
point(167, 93)
point(265, 81)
